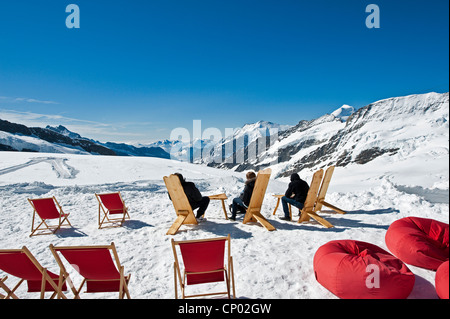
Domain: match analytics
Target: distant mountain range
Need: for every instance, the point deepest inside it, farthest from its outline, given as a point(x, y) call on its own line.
point(399, 127)
point(18, 137)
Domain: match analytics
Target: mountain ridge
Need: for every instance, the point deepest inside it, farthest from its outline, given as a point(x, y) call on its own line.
point(18, 137)
point(398, 127)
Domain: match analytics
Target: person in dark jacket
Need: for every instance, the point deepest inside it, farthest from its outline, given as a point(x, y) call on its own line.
point(195, 198)
point(295, 195)
point(241, 203)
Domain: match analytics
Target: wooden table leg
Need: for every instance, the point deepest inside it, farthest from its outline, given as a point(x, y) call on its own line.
point(224, 209)
point(276, 207)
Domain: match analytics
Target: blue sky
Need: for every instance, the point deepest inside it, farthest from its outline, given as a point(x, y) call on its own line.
point(135, 70)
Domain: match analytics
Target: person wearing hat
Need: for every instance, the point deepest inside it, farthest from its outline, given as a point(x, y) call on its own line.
point(241, 203)
point(195, 198)
point(295, 195)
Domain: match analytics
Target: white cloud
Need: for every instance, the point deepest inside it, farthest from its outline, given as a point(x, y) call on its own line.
point(91, 129)
point(24, 99)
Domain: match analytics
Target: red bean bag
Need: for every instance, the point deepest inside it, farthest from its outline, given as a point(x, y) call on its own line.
point(420, 242)
point(441, 280)
point(357, 270)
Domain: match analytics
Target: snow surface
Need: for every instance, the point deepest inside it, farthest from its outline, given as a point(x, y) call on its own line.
point(274, 264)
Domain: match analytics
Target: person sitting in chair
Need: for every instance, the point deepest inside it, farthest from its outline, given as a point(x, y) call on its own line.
point(295, 195)
point(195, 198)
point(240, 203)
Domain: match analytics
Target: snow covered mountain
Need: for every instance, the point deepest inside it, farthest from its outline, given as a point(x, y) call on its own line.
point(235, 146)
point(344, 112)
point(205, 151)
point(399, 128)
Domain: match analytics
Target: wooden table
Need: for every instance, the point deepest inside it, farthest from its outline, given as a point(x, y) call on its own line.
point(278, 197)
point(221, 197)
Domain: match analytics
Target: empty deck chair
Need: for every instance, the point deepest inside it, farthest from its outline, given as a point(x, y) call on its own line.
point(47, 209)
point(308, 209)
point(101, 272)
point(204, 262)
point(323, 191)
point(180, 202)
point(22, 264)
point(253, 213)
point(109, 206)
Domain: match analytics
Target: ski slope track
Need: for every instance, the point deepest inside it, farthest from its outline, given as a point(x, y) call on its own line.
point(58, 165)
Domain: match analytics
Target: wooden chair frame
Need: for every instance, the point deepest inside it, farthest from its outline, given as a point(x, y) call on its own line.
point(124, 280)
point(110, 222)
point(308, 211)
point(229, 277)
point(180, 202)
point(46, 228)
point(253, 213)
point(10, 293)
point(323, 191)
point(2, 285)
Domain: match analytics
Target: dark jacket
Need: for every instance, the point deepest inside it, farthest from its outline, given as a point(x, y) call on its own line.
point(246, 195)
point(192, 193)
point(297, 187)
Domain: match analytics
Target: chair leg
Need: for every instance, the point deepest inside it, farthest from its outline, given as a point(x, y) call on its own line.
point(9, 292)
point(77, 292)
point(227, 280)
point(43, 282)
point(176, 225)
point(121, 283)
point(33, 230)
point(232, 277)
point(304, 217)
point(175, 280)
point(127, 292)
point(183, 287)
point(336, 209)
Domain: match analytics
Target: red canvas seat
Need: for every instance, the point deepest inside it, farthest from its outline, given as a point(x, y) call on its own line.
point(111, 204)
point(420, 242)
point(203, 262)
point(357, 270)
point(47, 209)
point(22, 264)
point(95, 264)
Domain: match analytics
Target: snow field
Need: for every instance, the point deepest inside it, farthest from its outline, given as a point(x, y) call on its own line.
point(267, 265)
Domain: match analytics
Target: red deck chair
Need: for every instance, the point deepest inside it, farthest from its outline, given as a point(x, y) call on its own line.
point(95, 264)
point(111, 204)
point(203, 263)
point(47, 209)
point(22, 264)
